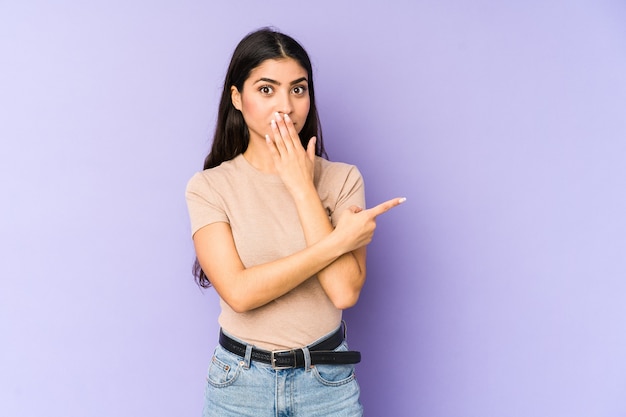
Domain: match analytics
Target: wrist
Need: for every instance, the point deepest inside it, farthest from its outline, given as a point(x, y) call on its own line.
point(304, 194)
point(337, 243)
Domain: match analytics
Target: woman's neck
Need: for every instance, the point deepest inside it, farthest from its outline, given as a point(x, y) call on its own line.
point(258, 155)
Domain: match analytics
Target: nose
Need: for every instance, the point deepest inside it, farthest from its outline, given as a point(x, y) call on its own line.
point(284, 104)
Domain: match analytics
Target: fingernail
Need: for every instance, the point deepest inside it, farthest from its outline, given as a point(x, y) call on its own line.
point(402, 200)
point(277, 115)
point(273, 123)
point(286, 117)
point(267, 138)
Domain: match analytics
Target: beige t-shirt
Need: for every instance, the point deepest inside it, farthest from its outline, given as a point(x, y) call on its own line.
point(265, 227)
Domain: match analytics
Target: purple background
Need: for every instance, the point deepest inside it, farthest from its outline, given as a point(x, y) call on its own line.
point(498, 289)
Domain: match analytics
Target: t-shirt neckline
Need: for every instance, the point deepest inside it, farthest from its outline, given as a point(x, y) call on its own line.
point(241, 162)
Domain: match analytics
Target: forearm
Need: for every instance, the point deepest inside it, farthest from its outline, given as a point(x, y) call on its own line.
point(244, 289)
point(343, 279)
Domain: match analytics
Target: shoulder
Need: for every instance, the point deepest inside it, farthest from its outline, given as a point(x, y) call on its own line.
point(212, 176)
point(327, 170)
point(332, 167)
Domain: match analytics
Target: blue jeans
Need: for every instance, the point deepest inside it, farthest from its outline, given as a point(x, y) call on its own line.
point(239, 387)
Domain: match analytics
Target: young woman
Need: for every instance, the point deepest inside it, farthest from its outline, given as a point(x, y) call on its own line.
point(280, 233)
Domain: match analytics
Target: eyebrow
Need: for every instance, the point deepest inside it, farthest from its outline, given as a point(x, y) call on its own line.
point(269, 80)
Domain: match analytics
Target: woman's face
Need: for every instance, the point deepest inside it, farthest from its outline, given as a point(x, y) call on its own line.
point(275, 86)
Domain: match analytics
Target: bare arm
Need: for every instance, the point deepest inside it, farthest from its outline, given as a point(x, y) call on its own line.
point(343, 279)
point(244, 289)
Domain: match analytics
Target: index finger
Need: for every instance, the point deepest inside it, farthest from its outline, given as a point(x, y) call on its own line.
point(386, 206)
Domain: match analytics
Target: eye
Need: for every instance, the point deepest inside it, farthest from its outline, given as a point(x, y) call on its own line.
point(266, 90)
point(299, 90)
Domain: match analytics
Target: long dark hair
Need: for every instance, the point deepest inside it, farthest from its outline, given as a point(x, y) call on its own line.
point(231, 133)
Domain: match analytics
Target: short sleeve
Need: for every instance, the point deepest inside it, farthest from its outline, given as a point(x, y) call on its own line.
point(351, 193)
point(205, 206)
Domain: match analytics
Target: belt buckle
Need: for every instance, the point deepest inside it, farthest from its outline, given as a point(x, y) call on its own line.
point(273, 358)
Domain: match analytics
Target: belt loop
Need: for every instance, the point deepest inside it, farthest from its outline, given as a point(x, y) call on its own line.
point(345, 329)
point(248, 357)
point(307, 359)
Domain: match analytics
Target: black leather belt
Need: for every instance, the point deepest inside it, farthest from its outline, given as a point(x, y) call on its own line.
point(322, 353)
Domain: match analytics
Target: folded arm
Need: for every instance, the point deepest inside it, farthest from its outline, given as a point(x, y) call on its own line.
point(244, 289)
